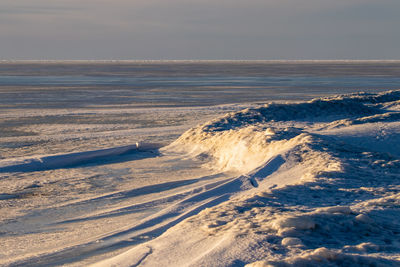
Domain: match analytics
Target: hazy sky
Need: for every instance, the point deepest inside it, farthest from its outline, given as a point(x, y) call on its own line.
point(199, 29)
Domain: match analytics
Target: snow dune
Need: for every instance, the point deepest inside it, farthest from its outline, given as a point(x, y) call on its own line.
point(317, 184)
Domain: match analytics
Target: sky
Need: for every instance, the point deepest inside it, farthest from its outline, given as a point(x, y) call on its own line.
point(199, 29)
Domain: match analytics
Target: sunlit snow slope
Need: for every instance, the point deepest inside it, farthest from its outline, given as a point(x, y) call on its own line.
point(315, 184)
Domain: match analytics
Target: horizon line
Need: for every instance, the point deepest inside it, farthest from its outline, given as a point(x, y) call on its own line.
point(188, 60)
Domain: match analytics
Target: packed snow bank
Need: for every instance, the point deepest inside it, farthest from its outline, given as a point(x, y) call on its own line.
point(49, 162)
point(316, 189)
point(242, 150)
point(244, 140)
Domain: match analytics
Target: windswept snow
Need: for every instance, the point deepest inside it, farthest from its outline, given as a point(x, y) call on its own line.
point(313, 183)
point(317, 184)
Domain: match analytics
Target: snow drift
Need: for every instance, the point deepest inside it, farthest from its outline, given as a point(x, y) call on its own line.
point(319, 185)
point(49, 162)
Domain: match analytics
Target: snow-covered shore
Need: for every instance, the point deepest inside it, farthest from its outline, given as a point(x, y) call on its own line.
point(316, 184)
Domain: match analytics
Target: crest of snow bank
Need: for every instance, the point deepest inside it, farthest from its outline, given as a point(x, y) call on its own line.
point(321, 109)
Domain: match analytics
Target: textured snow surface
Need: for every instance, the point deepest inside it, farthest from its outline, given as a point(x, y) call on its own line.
point(317, 184)
point(312, 183)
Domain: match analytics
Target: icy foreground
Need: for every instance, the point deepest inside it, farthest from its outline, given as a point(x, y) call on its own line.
point(317, 184)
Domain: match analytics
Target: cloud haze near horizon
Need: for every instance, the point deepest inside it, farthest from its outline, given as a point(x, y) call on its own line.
point(199, 29)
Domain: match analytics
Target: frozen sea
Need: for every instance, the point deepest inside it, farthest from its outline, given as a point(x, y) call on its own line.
point(99, 163)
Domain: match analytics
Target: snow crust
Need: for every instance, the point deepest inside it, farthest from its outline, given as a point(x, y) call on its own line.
point(316, 184)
